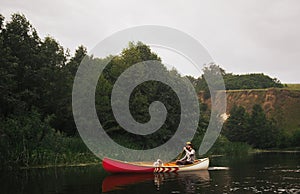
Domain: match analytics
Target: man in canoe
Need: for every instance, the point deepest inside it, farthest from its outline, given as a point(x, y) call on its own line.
point(189, 155)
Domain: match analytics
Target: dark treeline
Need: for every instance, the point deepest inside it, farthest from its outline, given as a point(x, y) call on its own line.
point(36, 74)
point(141, 98)
point(35, 102)
point(36, 121)
point(236, 82)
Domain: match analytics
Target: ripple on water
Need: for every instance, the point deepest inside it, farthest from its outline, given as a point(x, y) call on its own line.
point(218, 168)
point(290, 170)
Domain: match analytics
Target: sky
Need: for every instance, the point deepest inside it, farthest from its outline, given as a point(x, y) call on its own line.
point(253, 36)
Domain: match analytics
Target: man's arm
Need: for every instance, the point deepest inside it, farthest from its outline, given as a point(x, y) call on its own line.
point(184, 158)
point(192, 152)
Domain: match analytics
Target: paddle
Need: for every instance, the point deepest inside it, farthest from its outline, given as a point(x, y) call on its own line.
point(180, 155)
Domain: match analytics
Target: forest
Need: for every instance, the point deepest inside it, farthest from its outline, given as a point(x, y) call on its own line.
point(36, 120)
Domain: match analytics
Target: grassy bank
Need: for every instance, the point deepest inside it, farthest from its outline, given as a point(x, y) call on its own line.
point(29, 141)
point(74, 153)
point(62, 165)
point(71, 151)
point(293, 86)
point(224, 147)
point(49, 159)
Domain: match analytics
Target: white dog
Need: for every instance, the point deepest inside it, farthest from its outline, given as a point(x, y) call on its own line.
point(158, 163)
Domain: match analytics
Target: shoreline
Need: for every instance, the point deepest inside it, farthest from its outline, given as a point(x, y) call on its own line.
point(276, 151)
point(60, 165)
point(255, 151)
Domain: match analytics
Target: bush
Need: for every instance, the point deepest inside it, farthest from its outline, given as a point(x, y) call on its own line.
point(226, 147)
point(296, 138)
point(20, 135)
point(27, 140)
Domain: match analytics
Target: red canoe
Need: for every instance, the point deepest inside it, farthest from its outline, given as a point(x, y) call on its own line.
point(117, 166)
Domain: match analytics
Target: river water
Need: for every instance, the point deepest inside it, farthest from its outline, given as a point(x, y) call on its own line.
point(255, 173)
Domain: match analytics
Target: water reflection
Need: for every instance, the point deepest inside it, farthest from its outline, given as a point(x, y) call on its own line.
point(255, 173)
point(187, 181)
point(119, 181)
point(190, 181)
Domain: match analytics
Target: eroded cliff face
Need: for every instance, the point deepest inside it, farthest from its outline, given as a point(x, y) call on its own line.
point(282, 105)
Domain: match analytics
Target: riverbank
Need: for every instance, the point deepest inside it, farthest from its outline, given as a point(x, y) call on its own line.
point(62, 165)
point(74, 153)
point(278, 151)
point(99, 162)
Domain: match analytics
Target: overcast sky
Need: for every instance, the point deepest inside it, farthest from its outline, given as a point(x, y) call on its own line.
point(243, 36)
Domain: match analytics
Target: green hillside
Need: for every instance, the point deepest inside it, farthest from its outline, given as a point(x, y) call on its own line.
point(293, 86)
point(282, 105)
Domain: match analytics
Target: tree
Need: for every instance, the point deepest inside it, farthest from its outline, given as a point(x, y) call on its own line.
point(75, 61)
point(63, 94)
point(254, 129)
point(140, 100)
point(250, 81)
point(235, 128)
point(262, 133)
point(49, 75)
point(21, 45)
point(32, 70)
point(21, 135)
point(232, 81)
point(212, 73)
point(8, 83)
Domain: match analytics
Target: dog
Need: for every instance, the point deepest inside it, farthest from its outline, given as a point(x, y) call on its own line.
point(158, 163)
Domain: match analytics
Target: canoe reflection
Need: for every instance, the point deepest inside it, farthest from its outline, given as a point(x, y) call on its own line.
point(189, 181)
point(186, 179)
point(117, 181)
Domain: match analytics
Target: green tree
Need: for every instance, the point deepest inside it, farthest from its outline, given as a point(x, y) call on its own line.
point(235, 128)
point(8, 83)
point(49, 76)
point(21, 135)
point(211, 71)
point(63, 94)
point(250, 81)
point(32, 70)
point(262, 133)
point(22, 42)
point(75, 61)
point(140, 100)
point(232, 81)
point(255, 129)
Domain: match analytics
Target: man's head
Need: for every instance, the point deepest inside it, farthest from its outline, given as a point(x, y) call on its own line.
point(188, 145)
